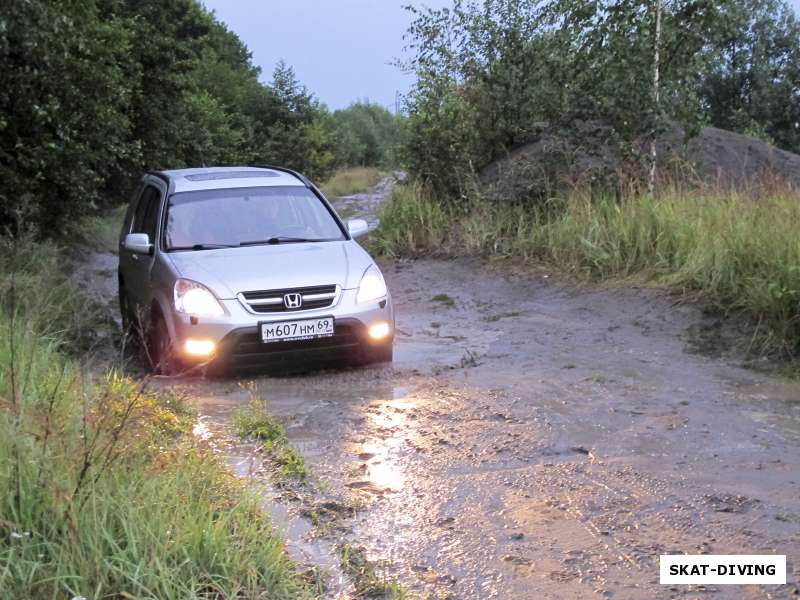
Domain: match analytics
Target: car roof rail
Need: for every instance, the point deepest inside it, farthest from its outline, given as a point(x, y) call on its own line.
point(163, 177)
point(299, 176)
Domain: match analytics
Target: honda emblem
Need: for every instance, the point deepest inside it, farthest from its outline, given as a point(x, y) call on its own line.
point(293, 300)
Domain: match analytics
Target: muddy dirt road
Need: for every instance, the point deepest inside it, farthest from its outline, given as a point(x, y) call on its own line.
point(533, 440)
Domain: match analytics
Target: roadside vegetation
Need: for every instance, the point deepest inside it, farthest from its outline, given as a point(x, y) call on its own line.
point(98, 231)
point(171, 86)
point(736, 252)
point(559, 134)
point(255, 423)
point(595, 82)
point(103, 489)
point(351, 181)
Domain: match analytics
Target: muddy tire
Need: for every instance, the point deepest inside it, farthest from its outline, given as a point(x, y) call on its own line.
point(128, 322)
point(160, 354)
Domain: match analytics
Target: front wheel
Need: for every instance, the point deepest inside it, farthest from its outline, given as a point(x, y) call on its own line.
point(160, 354)
point(126, 314)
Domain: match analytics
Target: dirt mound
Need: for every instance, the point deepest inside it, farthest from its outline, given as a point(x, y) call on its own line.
point(724, 157)
point(715, 157)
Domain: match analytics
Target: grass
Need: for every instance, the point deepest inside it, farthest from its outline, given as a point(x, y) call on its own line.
point(505, 315)
point(351, 181)
point(104, 492)
point(100, 232)
point(366, 580)
point(254, 422)
point(444, 299)
point(735, 252)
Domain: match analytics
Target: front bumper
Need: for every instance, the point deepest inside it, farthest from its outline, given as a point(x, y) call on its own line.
point(237, 340)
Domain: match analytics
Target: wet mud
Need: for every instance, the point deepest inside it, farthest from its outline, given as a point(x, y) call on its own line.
point(530, 440)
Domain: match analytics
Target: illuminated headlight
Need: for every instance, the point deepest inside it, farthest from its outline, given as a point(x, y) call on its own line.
point(379, 331)
point(194, 298)
point(199, 347)
point(372, 286)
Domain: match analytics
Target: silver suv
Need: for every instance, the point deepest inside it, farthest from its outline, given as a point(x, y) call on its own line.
point(247, 267)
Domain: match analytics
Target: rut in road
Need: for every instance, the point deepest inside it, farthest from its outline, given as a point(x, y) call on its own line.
point(531, 440)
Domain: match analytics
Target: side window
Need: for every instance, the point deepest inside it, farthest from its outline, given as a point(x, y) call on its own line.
point(129, 214)
point(146, 217)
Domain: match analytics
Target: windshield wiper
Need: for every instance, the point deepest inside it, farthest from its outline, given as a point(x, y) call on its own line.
point(203, 247)
point(282, 239)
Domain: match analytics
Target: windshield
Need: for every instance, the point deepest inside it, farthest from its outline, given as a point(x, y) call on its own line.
point(247, 216)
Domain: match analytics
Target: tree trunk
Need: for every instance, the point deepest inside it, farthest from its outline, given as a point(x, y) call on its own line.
point(651, 183)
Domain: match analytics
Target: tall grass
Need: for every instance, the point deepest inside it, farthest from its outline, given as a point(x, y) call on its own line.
point(351, 181)
point(99, 232)
point(104, 492)
point(736, 252)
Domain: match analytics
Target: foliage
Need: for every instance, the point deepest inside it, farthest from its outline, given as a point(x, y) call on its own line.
point(104, 492)
point(299, 136)
point(493, 74)
point(96, 91)
point(736, 252)
point(64, 125)
point(752, 80)
point(366, 135)
point(99, 231)
point(351, 181)
point(43, 295)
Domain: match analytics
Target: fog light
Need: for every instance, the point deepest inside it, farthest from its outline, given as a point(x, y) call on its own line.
point(381, 330)
point(199, 347)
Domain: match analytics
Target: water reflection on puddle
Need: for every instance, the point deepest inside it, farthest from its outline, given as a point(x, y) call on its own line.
point(774, 403)
point(201, 430)
point(391, 428)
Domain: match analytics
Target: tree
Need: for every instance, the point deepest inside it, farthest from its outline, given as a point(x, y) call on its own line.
point(509, 68)
point(367, 135)
point(301, 134)
point(93, 92)
point(750, 82)
point(65, 127)
point(651, 180)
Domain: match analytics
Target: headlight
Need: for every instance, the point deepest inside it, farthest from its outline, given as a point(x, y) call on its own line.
point(194, 298)
point(372, 286)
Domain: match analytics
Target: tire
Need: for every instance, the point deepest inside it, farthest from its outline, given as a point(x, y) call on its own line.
point(160, 355)
point(128, 324)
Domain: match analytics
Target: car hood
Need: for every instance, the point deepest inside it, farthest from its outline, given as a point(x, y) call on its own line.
point(228, 271)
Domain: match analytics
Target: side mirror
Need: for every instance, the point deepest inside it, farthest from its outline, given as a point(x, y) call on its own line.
point(357, 227)
point(138, 243)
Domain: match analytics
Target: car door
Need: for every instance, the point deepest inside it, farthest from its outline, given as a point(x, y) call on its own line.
point(137, 267)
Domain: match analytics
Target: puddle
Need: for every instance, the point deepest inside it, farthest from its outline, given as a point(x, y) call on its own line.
point(773, 401)
point(529, 441)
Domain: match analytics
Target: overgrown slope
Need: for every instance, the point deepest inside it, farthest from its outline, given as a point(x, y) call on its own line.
point(104, 491)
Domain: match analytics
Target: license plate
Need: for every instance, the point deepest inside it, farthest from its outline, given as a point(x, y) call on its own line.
point(304, 329)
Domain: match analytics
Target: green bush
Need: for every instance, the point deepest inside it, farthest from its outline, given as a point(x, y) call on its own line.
point(367, 135)
point(94, 92)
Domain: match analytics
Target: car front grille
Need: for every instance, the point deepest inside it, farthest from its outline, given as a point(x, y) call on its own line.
point(272, 301)
point(249, 353)
point(249, 345)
